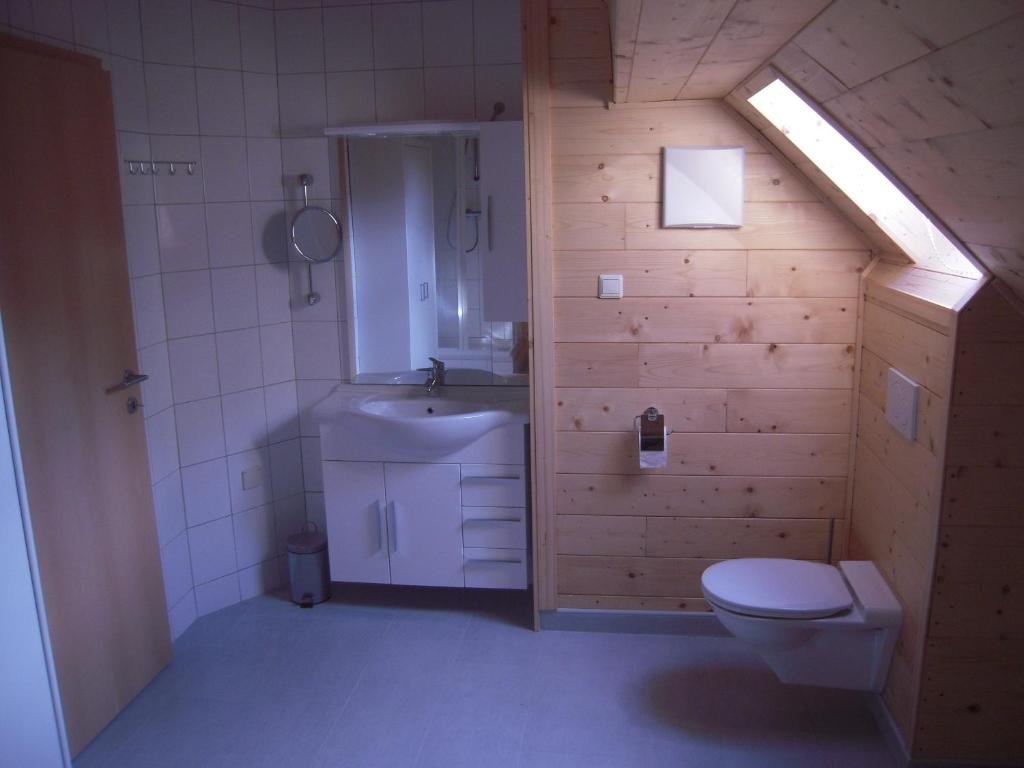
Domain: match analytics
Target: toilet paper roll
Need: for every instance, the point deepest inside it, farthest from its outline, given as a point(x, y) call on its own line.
point(653, 452)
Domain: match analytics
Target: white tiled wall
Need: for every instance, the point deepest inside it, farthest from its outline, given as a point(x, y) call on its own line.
point(352, 62)
point(234, 352)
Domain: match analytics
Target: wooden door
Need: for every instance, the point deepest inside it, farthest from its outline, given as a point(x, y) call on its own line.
point(64, 295)
point(425, 524)
point(357, 536)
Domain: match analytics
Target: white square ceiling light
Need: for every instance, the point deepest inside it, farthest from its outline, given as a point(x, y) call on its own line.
point(703, 187)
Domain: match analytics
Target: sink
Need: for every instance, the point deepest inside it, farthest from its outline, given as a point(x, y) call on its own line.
point(425, 408)
point(454, 377)
point(421, 426)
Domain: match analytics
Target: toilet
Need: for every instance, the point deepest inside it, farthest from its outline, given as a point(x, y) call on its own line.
point(815, 624)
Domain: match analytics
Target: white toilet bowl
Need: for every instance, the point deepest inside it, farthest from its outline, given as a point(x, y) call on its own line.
point(814, 624)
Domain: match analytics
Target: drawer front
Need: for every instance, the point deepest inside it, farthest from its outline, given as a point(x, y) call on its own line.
point(501, 527)
point(493, 485)
point(488, 568)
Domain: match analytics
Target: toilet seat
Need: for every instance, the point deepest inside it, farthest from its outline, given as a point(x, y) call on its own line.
point(777, 588)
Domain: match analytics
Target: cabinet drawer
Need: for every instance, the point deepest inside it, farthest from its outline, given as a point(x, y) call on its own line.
point(493, 485)
point(488, 568)
point(502, 527)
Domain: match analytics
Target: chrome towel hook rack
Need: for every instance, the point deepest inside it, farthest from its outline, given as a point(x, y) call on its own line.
point(147, 167)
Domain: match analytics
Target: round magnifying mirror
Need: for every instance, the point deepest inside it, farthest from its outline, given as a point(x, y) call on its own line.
point(316, 234)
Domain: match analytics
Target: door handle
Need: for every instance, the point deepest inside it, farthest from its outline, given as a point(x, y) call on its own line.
point(129, 380)
point(381, 529)
point(490, 224)
point(493, 521)
point(393, 526)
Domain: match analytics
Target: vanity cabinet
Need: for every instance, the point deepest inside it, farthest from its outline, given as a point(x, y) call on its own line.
point(391, 523)
point(457, 522)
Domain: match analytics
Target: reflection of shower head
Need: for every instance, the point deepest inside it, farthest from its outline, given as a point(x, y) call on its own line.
point(499, 109)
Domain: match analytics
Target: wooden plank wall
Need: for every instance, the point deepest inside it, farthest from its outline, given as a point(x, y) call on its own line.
point(972, 694)
point(745, 338)
point(933, 89)
point(897, 483)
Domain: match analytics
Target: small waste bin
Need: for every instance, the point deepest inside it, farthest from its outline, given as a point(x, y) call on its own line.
point(307, 567)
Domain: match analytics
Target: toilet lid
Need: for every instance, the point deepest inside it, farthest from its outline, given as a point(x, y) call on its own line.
point(788, 589)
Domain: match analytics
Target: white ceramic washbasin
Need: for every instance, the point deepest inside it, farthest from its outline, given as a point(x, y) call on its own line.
point(423, 426)
point(454, 377)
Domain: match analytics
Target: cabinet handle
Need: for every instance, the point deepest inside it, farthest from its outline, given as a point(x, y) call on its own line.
point(490, 224)
point(494, 521)
point(393, 526)
point(486, 560)
point(381, 528)
point(489, 478)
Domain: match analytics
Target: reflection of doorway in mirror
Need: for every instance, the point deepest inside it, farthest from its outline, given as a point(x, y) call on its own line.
point(447, 240)
point(418, 172)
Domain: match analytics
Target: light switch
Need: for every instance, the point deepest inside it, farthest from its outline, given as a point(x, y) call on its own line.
point(252, 478)
point(609, 287)
point(901, 395)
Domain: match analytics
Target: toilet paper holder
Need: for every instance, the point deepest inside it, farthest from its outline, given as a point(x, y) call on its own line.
point(651, 426)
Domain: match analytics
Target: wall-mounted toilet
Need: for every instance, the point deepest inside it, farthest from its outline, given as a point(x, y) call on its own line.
point(814, 624)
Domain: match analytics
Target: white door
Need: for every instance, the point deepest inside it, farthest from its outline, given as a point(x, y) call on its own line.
point(503, 195)
point(425, 524)
point(357, 536)
point(417, 164)
point(378, 254)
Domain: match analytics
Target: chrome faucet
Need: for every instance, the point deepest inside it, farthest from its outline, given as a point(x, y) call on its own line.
point(436, 377)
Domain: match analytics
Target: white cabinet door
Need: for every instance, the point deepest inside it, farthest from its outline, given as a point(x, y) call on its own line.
point(424, 514)
point(503, 235)
point(357, 536)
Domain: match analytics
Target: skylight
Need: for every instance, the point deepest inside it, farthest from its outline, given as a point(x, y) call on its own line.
point(861, 181)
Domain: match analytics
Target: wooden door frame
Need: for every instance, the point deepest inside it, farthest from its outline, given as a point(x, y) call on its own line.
point(10, 434)
point(537, 135)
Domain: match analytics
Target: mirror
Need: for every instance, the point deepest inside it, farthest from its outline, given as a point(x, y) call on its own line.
point(316, 234)
point(438, 255)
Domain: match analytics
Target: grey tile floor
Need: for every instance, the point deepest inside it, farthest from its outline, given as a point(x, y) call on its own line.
point(374, 679)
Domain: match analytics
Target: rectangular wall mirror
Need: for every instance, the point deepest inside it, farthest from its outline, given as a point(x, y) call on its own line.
point(436, 253)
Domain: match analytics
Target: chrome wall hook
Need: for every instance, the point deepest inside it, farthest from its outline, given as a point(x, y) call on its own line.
point(306, 180)
point(147, 167)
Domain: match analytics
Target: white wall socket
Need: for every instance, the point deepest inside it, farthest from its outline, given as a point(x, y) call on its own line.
point(901, 395)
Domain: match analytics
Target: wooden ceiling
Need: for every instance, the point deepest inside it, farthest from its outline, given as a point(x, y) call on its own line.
point(934, 89)
point(698, 49)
